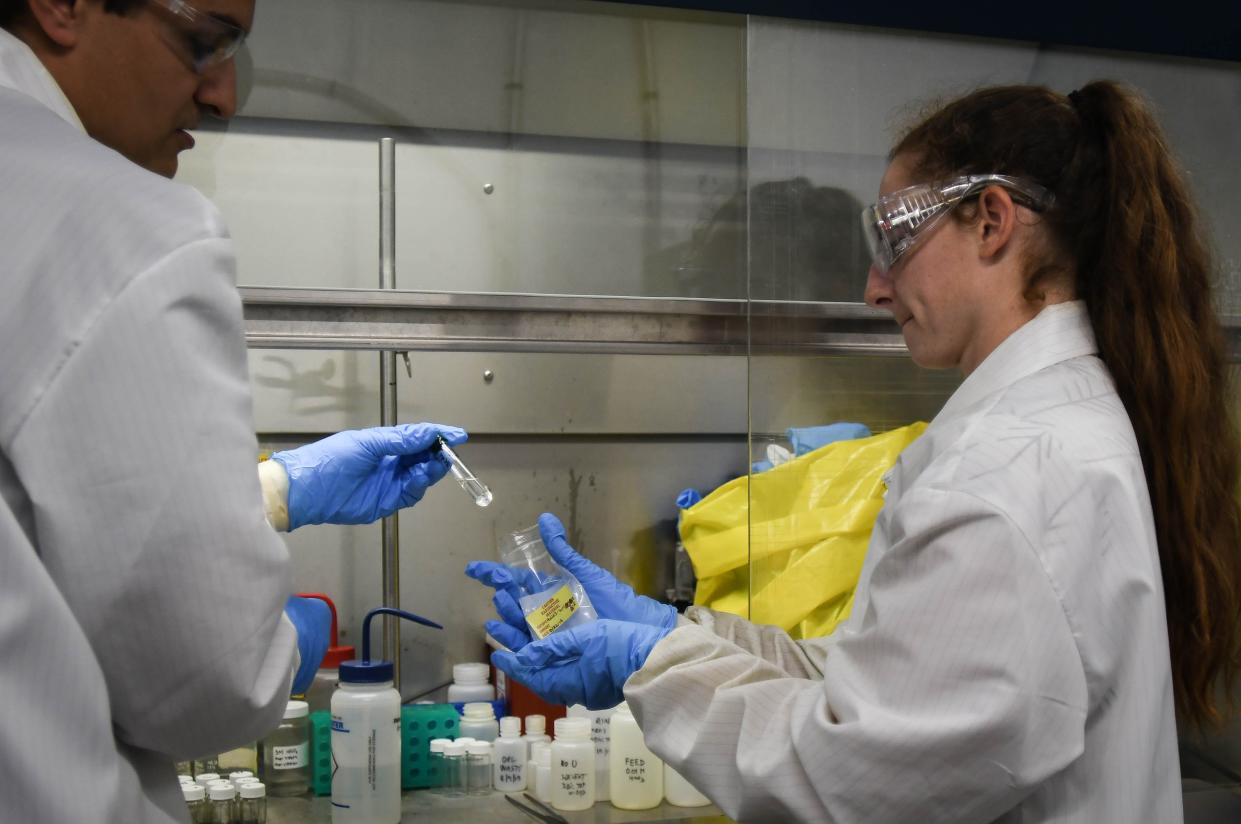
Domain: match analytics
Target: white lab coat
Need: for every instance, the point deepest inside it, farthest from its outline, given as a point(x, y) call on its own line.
point(141, 589)
point(1007, 656)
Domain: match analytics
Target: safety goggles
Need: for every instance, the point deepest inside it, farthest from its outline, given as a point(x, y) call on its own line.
point(203, 39)
point(893, 225)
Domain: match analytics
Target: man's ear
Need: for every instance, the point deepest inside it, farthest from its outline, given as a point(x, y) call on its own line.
point(58, 20)
point(996, 220)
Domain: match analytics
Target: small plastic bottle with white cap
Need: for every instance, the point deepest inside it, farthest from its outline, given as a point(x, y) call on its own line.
point(479, 722)
point(536, 729)
point(366, 736)
point(196, 800)
point(252, 805)
point(573, 765)
point(286, 752)
point(478, 767)
point(540, 771)
point(435, 763)
point(470, 684)
point(511, 755)
point(221, 795)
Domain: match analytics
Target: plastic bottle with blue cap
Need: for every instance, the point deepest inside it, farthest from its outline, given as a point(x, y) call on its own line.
point(366, 735)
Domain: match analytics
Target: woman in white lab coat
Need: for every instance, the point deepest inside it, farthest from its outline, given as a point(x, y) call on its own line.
point(1053, 580)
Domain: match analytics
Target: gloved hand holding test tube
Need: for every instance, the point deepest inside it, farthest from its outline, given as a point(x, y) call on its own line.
point(471, 484)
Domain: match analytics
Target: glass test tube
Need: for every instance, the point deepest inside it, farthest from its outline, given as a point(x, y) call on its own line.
point(476, 488)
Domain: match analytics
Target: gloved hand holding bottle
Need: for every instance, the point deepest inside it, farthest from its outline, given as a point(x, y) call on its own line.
point(355, 477)
point(610, 598)
point(587, 664)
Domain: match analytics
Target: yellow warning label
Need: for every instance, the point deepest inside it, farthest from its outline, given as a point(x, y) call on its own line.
point(552, 613)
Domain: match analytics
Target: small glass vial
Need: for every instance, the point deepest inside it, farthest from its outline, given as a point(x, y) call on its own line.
point(479, 722)
point(573, 765)
point(435, 763)
point(511, 755)
point(637, 774)
point(540, 771)
point(536, 729)
point(205, 778)
point(478, 768)
point(252, 806)
point(237, 777)
point(222, 809)
point(286, 753)
point(454, 769)
point(196, 800)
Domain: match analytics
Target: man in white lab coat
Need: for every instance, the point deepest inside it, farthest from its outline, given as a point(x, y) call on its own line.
point(143, 590)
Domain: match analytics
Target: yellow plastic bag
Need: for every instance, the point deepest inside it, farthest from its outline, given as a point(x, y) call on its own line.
point(795, 562)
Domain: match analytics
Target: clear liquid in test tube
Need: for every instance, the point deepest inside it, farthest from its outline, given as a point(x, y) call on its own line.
point(476, 488)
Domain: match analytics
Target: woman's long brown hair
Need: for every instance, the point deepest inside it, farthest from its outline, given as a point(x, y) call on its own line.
point(1125, 230)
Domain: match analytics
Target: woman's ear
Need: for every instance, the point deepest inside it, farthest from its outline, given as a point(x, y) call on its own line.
point(996, 221)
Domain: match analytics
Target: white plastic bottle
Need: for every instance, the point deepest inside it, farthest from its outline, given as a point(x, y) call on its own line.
point(536, 729)
point(511, 755)
point(539, 770)
point(469, 684)
point(681, 793)
point(601, 734)
point(479, 722)
point(637, 774)
point(573, 765)
point(366, 737)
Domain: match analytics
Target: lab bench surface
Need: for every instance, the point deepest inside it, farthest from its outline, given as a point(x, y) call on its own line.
point(421, 805)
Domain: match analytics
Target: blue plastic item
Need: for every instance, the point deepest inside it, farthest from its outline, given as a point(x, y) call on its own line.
point(419, 724)
point(364, 670)
point(313, 621)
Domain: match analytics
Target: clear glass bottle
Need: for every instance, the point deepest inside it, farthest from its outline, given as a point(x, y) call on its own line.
point(478, 768)
point(551, 598)
point(573, 765)
point(196, 800)
point(252, 804)
point(435, 763)
point(222, 809)
point(454, 769)
point(286, 753)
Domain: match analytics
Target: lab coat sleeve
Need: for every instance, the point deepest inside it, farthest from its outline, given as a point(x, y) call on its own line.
point(139, 459)
point(800, 659)
point(959, 690)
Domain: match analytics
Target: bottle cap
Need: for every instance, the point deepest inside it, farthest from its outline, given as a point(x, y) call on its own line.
point(241, 782)
point(536, 725)
point(185, 779)
point(455, 747)
point(510, 727)
point(470, 673)
point(335, 655)
point(295, 709)
point(479, 710)
point(221, 791)
point(193, 792)
point(572, 729)
point(239, 774)
point(365, 670)
point(479, 748)
point(255, 789)
point(438, 744)
point(203, 779)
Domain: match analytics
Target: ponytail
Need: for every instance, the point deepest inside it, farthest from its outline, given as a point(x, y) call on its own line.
point(1124, 227)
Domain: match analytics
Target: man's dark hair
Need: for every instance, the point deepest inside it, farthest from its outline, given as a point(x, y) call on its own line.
point(11, 10)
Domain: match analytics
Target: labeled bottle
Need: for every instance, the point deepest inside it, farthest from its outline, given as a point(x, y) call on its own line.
point(478, 768)
point(679, 792)
point(540, 770)
point(455, 781)
point(601, 734)
point(536, 729)
point(252, 803)
point(636, 774)
point(220, 804)
point(573, 765)
point(551, 598)
point(470, 684)
point(366, 736)
point(479, 722)
point(286, 753)
point(196, 800)
point(511, 755)
point(327, 678)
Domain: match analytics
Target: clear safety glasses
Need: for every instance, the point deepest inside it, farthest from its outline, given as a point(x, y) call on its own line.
point(893, 225)
point(204, 40)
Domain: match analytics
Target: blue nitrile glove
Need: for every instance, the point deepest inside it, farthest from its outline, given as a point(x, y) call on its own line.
point(362, 475)
point(688, 497)
point(809, 438)
point(588, 664)
point(313, 621)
